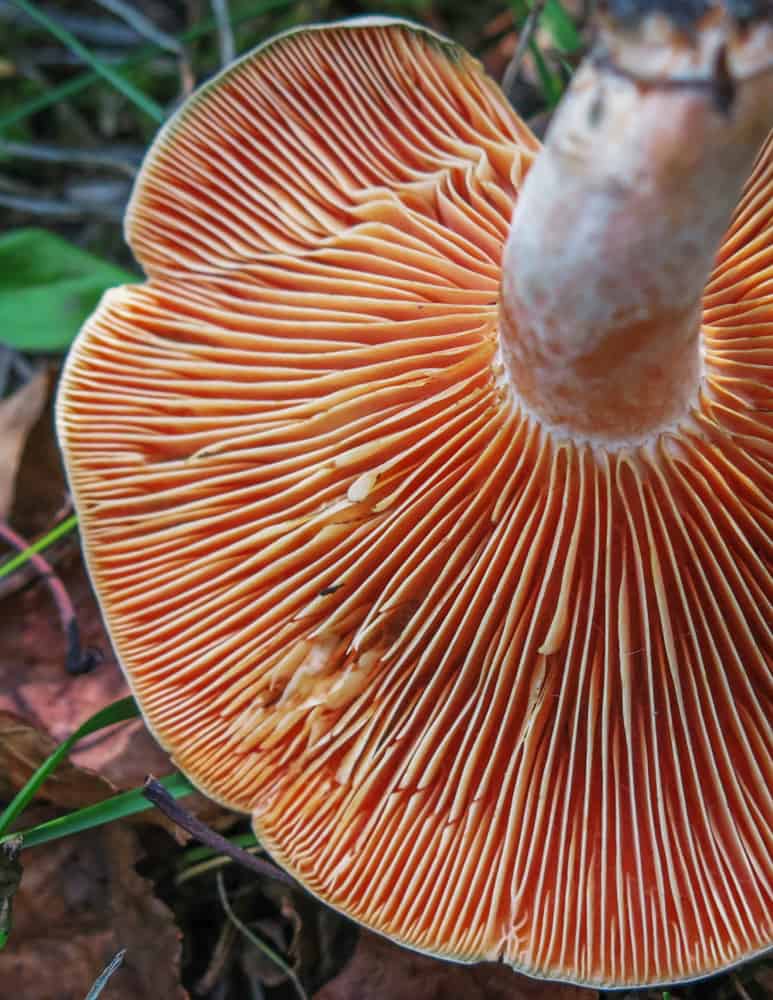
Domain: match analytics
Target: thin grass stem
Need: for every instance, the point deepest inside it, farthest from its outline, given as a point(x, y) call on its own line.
point(73, 87)
point(259, 943)
point(119, 711)
point(130, 92)
point(116, 807)
point(61, 529)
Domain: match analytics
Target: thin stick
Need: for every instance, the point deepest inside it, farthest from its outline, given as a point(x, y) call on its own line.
point(142, 24)
point(145, 27)
point(78, 660)
point(218, 960)
point(224, 31)
point(64, 154)
point(527, 33)
point(57, 208)
point(739, 986)
point(158, 795)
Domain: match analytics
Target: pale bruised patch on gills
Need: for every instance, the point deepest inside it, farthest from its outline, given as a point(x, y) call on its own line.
point(492, 693)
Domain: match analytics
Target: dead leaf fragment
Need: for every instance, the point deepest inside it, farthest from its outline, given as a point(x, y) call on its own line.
point(36, 689)
point(18, 415)
point(23, 749)
point(34, 685)
point(381, 970)
point(79, 903)
point(10, 877)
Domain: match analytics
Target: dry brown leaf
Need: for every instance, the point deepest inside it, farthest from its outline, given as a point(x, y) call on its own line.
point(317, 942)
point(41, 490)
point(79, 903)
point(764, 979)
point(18, 415)
point(24, 748)
point(501, 40)
point(41, 705)
point(380, 970)
point(35, 687)
point(10, 878)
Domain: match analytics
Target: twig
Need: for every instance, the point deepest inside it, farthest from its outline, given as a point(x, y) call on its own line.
point(524, 39)
point(142, 25)
point(259, 943)
point(224, 31)
point(54, 57)
point(60, 208)
point(145, 27)
point(210, 865)
point(64, 154)
point(60, 529)
point(740, 989)
point(155, 792)
point(77, 660)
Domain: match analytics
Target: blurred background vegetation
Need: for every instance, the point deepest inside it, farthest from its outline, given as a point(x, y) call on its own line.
point(85, 85)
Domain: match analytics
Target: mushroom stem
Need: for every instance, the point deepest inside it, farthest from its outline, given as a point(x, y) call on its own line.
point(619, 220)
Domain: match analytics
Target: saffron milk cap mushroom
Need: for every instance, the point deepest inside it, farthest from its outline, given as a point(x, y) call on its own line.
point(427, 484)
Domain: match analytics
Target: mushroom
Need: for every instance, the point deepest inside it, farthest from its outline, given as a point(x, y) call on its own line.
point(445, 553)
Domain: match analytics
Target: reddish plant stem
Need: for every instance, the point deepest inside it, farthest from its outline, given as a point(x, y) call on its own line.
point(77, 660)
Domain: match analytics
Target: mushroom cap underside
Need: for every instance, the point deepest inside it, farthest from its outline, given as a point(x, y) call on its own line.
point(491, 692)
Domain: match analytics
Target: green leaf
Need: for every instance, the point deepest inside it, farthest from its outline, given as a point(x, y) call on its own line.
point(561, 27)
point(520, 9)
point(119, 711)
point(48, 287)
point(551, 84)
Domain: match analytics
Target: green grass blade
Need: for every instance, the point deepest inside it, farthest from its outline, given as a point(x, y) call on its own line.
point(125, 804)
point(561, 27)
point(51, 96)
point(73, 87)
point(132, 93)
point(119, 711)
point(193, 855)
point(550, 83)
point(105, 974)
point(53, 535)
